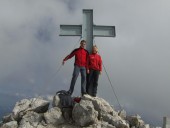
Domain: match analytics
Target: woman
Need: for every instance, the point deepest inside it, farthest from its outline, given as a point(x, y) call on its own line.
point(95, 68)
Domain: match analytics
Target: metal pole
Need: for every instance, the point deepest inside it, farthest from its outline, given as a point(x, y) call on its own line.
point(87, 29)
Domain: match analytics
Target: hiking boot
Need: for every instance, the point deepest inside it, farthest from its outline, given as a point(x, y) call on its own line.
point(84, 93)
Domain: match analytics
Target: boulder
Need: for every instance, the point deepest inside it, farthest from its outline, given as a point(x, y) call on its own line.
point(116, 121)
point(12, 124)
point(84, 113)
point(122, 114)
point(31, 119)
point(56, 101)
point(35, 104)
point(7, 118)
point(12, 117)
point(100, 105)
point(135, 121)
point(68, 126)
point(47, 126)
point(26, 125)
point(106, 125)
point(54, 116)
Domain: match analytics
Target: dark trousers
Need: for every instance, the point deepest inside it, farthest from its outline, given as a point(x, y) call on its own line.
point(92, 82)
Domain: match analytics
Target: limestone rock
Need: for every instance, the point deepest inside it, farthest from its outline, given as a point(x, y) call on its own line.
point(135, 121)
point(47, 126)
point(32, 119)
point(100, 105)
point(35, 104)
point(54, 116)
point(122, 114)
point(90, 112)
point(56, 101)
point(106, 125)
point(12, 124)
point(68, 126)
point(84, 113)
point(7, 118)
point(116, 121)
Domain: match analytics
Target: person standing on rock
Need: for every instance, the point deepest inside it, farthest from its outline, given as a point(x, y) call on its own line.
point(80, 65)
point(95, 68)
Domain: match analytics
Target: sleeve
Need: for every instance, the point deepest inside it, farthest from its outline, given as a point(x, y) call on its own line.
point(70, 55)
point(100, 63)
point(87, 59)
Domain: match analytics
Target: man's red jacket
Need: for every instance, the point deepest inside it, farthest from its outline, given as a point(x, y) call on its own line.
point(95, 62)
point(81, 57)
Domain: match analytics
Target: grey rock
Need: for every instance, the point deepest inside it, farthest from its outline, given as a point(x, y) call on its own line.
point(12, 124)
point(54, 116)
point(122, 114)
point(21, 106)
point(84, 113)
point(26, 125)
point(35, 104)
point(68, 126)
point(100, 105)
point(42, 126)
point(146, 126)
point(106, 125)
point(136, 121)
point(31, 119)
point(133, 121)
point(91, 112)
point(11, 117)
point(48, 126)
point(94, 126)
point(8, 118)
point(116, 121)
point(56, 101)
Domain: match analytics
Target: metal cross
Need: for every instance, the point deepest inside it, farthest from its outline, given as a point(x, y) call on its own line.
point(87, 30)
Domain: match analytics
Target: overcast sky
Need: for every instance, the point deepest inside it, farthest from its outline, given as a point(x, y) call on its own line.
point(136, 60)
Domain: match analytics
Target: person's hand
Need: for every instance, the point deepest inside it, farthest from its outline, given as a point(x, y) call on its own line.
point(88, 71)
point(100, 72)
point(63, 62)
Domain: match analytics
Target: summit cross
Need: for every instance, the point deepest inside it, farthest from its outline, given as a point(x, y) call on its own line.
point(87, 30)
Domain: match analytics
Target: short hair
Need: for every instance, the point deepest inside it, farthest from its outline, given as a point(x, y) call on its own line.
point(82, 41)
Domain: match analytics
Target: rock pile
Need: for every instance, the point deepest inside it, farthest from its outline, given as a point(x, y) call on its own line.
point(90, 112)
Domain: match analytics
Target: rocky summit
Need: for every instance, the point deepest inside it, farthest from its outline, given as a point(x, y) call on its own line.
point(87, 112)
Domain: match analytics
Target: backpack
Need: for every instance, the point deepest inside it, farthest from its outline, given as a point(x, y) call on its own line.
point(66, 103)
point(66, 100)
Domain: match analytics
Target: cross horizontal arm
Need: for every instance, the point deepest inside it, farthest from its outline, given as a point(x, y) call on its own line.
point(104, 31)
point(70, 30)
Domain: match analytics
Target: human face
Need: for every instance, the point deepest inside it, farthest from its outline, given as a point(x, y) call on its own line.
point(95, 50)
point(82, 44)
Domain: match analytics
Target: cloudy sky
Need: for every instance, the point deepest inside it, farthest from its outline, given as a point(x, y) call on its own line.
point(136, 60)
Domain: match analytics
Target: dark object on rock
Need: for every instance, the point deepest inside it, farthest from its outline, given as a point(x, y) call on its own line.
point(77, 99)
point(66, 100)
point(66, 103)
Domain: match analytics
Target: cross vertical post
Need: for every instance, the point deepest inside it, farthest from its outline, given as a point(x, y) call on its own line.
point(87, 30)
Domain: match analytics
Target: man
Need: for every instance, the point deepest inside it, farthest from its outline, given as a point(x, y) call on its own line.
point(80, 65)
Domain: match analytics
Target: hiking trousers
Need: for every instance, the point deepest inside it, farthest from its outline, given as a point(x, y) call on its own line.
point(76, 71)
point(93, 82)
